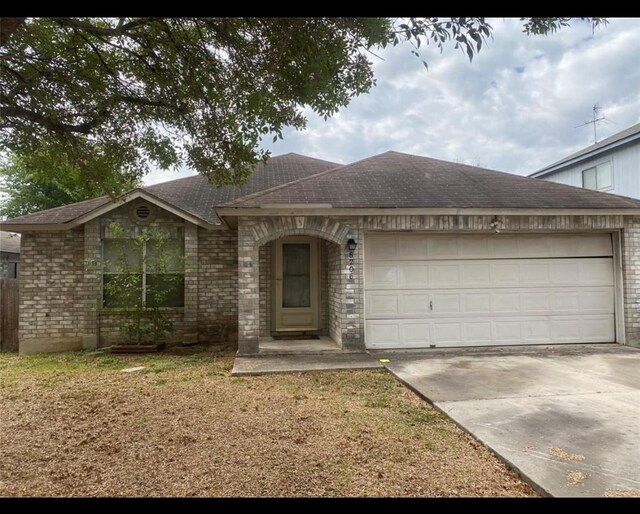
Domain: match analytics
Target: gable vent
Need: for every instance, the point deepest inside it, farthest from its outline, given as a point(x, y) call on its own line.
point(143, 212)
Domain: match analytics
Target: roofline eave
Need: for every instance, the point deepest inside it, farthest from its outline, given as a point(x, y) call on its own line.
point(554, 168)
point(105, 208)
point(314, 210)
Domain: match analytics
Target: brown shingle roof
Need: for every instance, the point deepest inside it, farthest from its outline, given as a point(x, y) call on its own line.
point(58, 215)
point(194, 194)
point(398, 180)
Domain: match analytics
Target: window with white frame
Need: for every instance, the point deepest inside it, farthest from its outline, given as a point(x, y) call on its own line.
point(148, 267)
point(598, 177)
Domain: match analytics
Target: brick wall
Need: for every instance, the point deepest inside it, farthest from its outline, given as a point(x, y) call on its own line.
point(345, 297)
point(217, 285)
point(484, 223)
point(323, 321)
point(226, 277)
point(334, 303)
point(265, 288)
point(54, 299)
point(631, 279)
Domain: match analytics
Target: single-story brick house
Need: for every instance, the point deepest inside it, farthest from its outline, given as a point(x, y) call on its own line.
point(394, 251)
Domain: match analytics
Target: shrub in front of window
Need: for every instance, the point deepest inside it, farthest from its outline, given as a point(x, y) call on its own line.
point(142, 276)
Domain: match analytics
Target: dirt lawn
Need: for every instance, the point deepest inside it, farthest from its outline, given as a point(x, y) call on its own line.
point(74, 424)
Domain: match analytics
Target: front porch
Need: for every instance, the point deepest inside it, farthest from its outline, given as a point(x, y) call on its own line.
point(298, 276)
point(321, 345)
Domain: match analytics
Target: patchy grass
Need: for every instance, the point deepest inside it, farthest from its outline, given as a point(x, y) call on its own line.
point(73, 424)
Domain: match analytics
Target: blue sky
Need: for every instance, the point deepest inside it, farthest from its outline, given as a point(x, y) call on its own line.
point(514, 108)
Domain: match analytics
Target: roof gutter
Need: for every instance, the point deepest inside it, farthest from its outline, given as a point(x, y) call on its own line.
point(594, 153)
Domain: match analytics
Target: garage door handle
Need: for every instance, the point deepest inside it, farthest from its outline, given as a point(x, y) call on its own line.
point(430, 305)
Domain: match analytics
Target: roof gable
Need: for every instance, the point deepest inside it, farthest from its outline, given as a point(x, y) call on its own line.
point(192, 198)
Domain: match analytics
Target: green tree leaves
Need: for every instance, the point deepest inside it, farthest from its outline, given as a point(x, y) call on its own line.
point(116, 96)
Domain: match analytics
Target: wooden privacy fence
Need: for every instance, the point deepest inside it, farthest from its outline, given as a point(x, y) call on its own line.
point(9, 302)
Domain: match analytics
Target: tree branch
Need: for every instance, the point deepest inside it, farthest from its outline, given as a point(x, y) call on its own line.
point(119, 30)
point(7, 27)
point(16, 111)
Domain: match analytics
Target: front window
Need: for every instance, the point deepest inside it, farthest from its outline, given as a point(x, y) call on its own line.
point(146, 271)
point(599, 177)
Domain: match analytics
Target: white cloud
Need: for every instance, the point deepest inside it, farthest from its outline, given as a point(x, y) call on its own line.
point(514, 108)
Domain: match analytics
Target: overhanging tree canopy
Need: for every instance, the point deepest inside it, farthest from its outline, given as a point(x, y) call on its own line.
point(116, 95)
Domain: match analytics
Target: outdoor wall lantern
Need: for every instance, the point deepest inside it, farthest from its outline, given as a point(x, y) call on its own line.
point(496, 224)
point(351, 244)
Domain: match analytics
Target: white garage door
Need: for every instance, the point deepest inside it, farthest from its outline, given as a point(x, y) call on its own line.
point(425, 290)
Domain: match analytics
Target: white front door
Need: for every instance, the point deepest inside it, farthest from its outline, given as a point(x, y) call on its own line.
point(296, 284)
point(476, 290)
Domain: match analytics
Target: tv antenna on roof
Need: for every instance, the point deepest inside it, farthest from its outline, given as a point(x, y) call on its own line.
point(594, 121)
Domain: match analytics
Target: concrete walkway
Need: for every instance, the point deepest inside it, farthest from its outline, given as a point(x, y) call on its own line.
point(265, 364)
point(566, 417)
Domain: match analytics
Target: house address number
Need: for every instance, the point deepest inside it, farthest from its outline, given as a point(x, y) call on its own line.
point(350, 268)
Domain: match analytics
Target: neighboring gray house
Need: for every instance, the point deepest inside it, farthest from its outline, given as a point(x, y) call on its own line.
point(612, 165)
point(9, 255)
point(393, 251)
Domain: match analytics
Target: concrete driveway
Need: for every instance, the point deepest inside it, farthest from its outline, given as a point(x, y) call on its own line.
point(566, 417)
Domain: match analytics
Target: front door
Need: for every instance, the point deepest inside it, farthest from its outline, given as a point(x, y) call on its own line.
point(296, 281)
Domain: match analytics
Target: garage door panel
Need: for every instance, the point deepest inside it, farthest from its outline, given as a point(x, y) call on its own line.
point(536, 331)
point(413, 276)
point(446, 333)
point(445, 247)
point(384, 335)
point(491, 274)
point(506, 330)
point(597, 300)
point(473, 247)
point(476, 274)
point(505, 302)
point(414, 303)
point(465, 303)
point(448, 303)
point(416, 334)
point(565, 330)
point(596, 329)
point(477, 302)
point(383, 305)
point(423, 290)
point(383, 247)
point(534, 273)
point(412, 248)
point(587, 245)
point(505, 273)
point(537, 302)
point(421, 247)
point(444, 275)
point(477, 332)
point(382, 276)
point(412, 333)
point(595, 271)
point(564, 301)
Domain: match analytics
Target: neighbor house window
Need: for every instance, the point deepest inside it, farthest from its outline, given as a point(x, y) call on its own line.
point(599, 177)
point(149, 266)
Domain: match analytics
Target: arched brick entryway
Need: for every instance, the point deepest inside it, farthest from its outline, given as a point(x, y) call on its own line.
point(255, 232)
